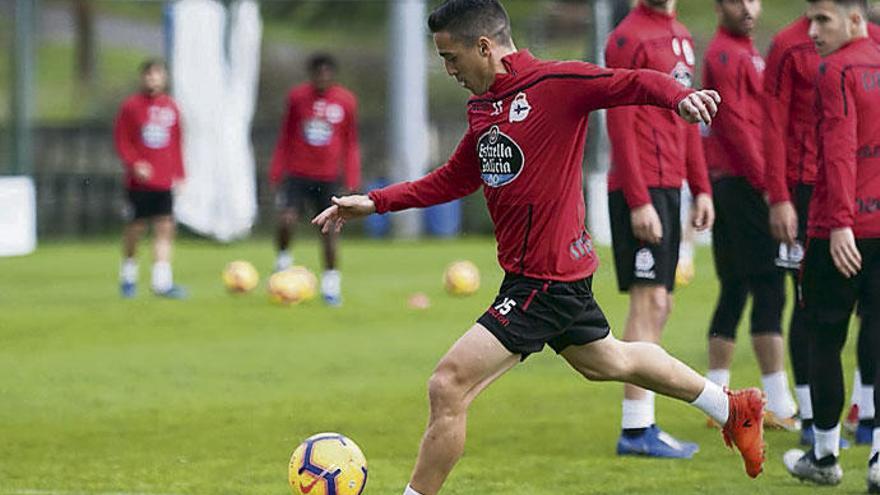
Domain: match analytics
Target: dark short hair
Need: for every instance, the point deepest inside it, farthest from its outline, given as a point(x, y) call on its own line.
point(152, 63)
point(862, 4)
point(468, 20)
point(320, 60)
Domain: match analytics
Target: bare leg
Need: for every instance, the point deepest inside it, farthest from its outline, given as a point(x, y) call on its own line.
point(721, 352)
point(644, 364)
point(649, 309)
point(131, 235)
point(286, 225)
point(329, 243)
point(164, 231)
point(770, 351)
point(474, 361)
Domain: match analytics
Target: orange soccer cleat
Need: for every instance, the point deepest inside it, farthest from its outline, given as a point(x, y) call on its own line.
point(745, 428)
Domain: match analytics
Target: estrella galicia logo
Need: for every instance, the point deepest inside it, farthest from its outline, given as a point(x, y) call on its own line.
point(501, 159)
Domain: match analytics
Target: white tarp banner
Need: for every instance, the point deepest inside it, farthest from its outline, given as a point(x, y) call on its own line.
point(18, 216)
point(215, 60)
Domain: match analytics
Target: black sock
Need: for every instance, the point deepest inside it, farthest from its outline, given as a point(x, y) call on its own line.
point(634, 432)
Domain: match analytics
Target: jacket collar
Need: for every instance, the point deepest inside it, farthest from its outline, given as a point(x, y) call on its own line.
point(515, 63)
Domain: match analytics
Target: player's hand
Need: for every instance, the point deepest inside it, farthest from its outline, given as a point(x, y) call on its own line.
point(646, 224)
point(334, 217)
point(142, 170)
point(703, 212)
point(700, 106)
point(845, 253)
point(179, 187)
point(784, 222)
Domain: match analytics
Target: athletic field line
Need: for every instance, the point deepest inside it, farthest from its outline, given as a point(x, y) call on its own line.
point(32, 491)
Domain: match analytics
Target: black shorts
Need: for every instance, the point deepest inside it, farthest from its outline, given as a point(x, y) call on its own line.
point(741, 241)
point(149, 204)
point(828, 297)
point(638, 262)
point(298, 192)
point(529, 313)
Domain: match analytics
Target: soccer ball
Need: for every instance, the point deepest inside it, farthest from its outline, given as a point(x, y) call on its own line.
point(327, 464)
point(240, 276)
point(292, 286)
point(461, 278)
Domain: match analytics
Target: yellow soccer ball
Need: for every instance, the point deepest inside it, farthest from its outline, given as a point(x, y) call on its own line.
point(240, 276)
point(292, 286)
point(327, 464)
point(461, 278)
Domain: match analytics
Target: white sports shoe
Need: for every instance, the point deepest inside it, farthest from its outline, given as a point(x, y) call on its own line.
point(873, 475)
point(804, 466)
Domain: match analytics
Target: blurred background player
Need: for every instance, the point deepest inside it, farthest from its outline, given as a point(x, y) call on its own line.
point(791, 118)
point(842, 262)
point(653, 150)
point(743, 248)
point(317, 152)
point(148, 139)
point(532, 114)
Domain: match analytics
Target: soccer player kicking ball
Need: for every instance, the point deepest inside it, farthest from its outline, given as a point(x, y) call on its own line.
point(743, 248)
point(842, 262)
point(652, 151)
point(524, 146)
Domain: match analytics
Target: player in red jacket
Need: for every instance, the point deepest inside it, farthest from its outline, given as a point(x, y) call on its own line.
point(791, 118)
point(317, 153)
point(652, 151)
point(524, 148)
point(147, 138)
point(744, 251)
point(841, 266)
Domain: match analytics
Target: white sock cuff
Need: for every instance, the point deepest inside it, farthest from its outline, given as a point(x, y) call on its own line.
point(638, 413)
point(805, 403)
point(866, 402)
point(409, 491)
point(857, 385)
point(779, 399)
point(719, 376)
point(713, 401)
point(827, 442)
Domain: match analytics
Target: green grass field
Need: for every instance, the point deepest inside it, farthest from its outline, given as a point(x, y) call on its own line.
point(210, 396)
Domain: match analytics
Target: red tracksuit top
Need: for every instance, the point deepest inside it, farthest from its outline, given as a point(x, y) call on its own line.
point(319, 137)
point(734, 143)
point(847, 192)
point(791, 118)
point(525, 146)
point(653, 147)
point(148, 128)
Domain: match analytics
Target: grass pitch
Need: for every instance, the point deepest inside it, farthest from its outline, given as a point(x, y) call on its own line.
point(209, 396)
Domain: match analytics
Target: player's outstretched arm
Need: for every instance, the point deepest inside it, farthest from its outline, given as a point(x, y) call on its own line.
point(700, 106)
point(342, 209)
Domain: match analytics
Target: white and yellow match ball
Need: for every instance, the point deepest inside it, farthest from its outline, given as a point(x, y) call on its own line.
point(240, 276)
point(292, 286)
point(461, 278)
point(327, 464)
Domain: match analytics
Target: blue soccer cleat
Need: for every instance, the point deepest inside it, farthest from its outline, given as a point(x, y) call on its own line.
point(655, 442)
point(334, 300)
point(808, 438)
point(127, 289)
point(175, 292)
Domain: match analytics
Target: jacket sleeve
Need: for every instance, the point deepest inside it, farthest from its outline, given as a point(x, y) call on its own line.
point(124, 137)
point(778, 87)
point(620, 121)
point(282, 147)
point(352, 150)
point(697, 171)
point(731, 124)
point(838, 140)
point(459, 177)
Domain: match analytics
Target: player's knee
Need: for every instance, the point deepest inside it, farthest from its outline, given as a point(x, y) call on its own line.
point(445, 389)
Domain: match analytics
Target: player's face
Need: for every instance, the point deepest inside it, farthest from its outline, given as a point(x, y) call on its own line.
point(323, 77)
point(469, 65)
point(154, 80)
point(831, 26)
point(739, 16)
